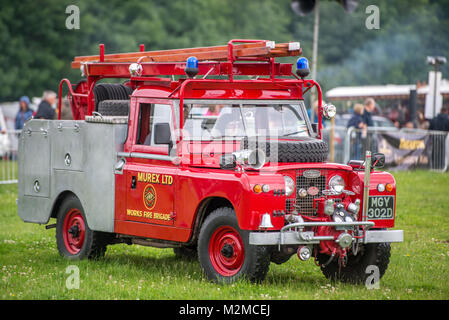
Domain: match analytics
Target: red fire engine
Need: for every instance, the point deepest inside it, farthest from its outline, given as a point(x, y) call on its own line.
point(209, 151)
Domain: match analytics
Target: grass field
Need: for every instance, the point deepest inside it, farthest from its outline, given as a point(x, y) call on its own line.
point(31, 268)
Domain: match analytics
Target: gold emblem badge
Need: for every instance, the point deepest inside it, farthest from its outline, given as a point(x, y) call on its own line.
point(149, 197)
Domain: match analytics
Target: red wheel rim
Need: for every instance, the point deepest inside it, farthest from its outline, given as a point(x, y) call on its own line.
point(226, 251)
point(74, 230)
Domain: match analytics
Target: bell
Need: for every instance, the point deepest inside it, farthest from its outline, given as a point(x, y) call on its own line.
point(266, 222)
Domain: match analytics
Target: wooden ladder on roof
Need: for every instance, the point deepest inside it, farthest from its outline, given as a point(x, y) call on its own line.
point(241, 50)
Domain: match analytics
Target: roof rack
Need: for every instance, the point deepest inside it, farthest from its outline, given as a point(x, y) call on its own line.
point(246, 50)
point(240, 57)
point(215, 60)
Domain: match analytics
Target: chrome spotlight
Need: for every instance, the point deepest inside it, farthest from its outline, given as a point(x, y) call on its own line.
point(329, 111)
point(135, 69)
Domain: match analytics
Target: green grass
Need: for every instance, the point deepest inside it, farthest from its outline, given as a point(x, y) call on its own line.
point(31, 268)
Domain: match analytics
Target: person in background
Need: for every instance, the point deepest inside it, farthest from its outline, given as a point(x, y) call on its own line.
point(422, 122)
point(370, 110)
point(24, 114)
point(45, 109)
point(66, 110)
point(2, 123)
point(370, 106)
point(409, 125)
point(315, 113)
point(357, 122)
point(214, 110)
point(441, 121)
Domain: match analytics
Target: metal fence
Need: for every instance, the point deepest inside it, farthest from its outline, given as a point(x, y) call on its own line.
point(404, 149)
point(8, 156)
point(417, 149)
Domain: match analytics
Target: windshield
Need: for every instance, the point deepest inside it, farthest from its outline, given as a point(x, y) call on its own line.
point(208, 121)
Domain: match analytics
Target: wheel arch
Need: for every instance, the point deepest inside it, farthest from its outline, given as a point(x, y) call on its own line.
point(205, 207)
point(59, 200)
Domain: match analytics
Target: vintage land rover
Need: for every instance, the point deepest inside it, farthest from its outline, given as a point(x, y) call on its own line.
point(209, 151)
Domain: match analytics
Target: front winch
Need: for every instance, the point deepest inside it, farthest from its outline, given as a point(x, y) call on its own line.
point(344, 240)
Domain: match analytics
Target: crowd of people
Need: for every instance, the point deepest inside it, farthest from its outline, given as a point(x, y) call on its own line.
point(399, 116)
point(362, 118)
point(45, 110)
point(363, 115)
point(441, 121)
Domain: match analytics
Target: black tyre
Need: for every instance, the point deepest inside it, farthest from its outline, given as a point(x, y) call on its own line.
point(110, 91)
point(74, 239)
point(355, 271)
point(113, 107)
point(305, 150)
point(224, 251)
point(186, 252)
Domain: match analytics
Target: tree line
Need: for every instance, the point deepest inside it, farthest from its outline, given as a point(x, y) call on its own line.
point(37, 47)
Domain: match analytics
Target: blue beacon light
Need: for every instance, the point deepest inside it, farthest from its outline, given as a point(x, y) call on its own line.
point(302, 67)
point(191, 67)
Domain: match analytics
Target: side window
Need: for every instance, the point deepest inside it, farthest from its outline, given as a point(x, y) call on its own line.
point(149, 115)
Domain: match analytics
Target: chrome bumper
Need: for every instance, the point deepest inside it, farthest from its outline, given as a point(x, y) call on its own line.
point(308, 237)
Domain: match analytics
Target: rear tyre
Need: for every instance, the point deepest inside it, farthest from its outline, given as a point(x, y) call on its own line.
point(356, 270)
point(74, 239)
point(224, 251)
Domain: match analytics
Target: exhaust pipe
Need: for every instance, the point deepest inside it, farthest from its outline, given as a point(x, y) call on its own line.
point(366, 186)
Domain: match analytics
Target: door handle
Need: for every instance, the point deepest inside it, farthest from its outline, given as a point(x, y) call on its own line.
point(133, 182)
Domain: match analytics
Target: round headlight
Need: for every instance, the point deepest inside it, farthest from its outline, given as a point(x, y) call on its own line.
point(289, 185)
point(337, 184)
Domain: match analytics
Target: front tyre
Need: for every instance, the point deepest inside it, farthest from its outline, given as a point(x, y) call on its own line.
point(224, 251)
point(74, 239)
point(356, 270)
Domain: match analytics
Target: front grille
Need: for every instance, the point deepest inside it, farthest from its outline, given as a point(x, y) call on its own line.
point(304, 205)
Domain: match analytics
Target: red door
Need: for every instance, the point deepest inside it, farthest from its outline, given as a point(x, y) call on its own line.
point(149, 177)
point(150, 192)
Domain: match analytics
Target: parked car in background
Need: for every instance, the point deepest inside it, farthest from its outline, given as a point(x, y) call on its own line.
point(379, 122)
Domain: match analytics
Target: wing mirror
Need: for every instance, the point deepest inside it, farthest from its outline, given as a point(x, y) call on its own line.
point(378, 160)
point(228, 161)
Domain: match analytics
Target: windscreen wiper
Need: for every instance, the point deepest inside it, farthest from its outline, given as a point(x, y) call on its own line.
point(292, 133)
